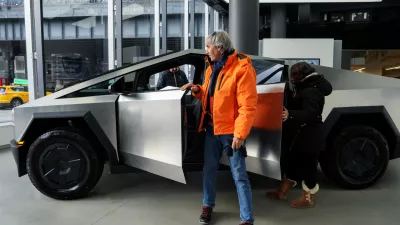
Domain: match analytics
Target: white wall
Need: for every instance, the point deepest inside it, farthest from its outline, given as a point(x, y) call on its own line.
point(322, 49)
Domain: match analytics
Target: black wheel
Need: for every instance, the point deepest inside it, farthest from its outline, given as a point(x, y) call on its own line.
point(63, 165)
point(16, 102)
point(357, 157)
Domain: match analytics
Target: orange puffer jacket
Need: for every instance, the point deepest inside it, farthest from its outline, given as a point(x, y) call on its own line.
point(235, 96)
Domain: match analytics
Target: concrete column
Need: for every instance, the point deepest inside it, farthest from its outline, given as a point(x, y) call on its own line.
point(346, 60)
point(243, 25)
point(278, 21)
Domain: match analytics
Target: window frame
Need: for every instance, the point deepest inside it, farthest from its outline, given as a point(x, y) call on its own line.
point(196, 60)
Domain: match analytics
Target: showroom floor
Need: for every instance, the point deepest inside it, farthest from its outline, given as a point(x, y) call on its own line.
point(147, 199)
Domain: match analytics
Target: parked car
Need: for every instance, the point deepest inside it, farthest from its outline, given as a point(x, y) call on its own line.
point(14, 95)
point(63, 140)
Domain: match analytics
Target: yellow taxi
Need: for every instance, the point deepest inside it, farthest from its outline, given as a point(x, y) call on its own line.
point(14, 95)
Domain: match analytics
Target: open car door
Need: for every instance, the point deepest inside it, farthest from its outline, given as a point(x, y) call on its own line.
point(150, 128)
point(150, 120)
point(264, 142)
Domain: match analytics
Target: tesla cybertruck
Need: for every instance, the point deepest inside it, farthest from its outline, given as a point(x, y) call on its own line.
point(63, 140)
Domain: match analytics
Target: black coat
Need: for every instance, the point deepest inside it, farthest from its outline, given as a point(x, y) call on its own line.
point(168, 78)
point(303, 131)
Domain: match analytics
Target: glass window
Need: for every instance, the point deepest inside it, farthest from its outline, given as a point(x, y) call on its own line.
point(19, 67)
point(75, 41)
point(12, 40)
point(103, 87)
point(2, 65)
point(268, 72)
point(18, 89)
point(2, 89)
point(377, 62)
point(175, 25)
point(199, 23)
point(173, 78)
point(211, 27)
point(138, 31)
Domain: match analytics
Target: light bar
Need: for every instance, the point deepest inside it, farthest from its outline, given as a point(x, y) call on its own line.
point(393, 68)
point(314, 1)
point(359, 70)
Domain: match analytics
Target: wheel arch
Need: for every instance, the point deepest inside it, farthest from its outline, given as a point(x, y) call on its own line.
point(84, 121)
point(375, 116)
point(17, 97)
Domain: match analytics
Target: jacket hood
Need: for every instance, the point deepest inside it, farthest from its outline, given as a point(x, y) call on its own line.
point(318, 81)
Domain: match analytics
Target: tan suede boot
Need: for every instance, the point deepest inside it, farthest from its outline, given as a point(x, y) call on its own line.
point(283, 190)
point(307, 198)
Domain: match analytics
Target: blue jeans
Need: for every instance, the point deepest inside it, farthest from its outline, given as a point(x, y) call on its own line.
point(214, 147)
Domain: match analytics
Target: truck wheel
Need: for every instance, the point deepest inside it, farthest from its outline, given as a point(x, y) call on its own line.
point(357, 157)
point(63, 165)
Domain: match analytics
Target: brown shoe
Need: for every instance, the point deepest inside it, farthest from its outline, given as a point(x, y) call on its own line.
point(283, 190)
point(307, 198)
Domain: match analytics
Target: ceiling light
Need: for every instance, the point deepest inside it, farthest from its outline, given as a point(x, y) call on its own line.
point(359, 70)
point(393, 68)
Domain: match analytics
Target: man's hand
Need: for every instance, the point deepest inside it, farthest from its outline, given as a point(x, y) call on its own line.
point(285, 114)
point(190, 86)
point(237, 143)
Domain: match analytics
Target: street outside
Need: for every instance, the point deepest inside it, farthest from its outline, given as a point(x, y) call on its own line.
point(5, 115)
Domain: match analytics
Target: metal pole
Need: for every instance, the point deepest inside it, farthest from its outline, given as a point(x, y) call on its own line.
point(278, 21)
point(206, 22)
point(41, 80)
point(191, 28)
point(156, 34)
point(243, 25)
point(156, 27)
point(186, 24)
point(29, 51)
point(164, 25)
point(119, 34)
point(216, 20)
point(212, 23)
point(186, 30)
point(111, 35)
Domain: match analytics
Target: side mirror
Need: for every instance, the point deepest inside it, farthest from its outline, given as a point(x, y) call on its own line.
point(118, 86)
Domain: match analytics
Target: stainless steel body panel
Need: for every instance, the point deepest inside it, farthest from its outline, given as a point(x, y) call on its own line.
point(102, 108)
point(150, 128)
point(388, 97)
point(50, 100)
point(352, 89)
point(263, 143)
point(150, 124)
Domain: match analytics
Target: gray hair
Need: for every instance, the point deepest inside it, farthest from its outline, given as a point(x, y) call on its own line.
point(220, 38)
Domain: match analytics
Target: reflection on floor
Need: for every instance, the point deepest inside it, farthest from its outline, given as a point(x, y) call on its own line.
point(148, 199)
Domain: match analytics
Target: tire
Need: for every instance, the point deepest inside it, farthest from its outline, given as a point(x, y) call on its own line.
point(16, 102)
point(356, 158)
point(63, 165)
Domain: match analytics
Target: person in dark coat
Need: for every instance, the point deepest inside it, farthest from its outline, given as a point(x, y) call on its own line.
point(173, 77)
point(302, 134)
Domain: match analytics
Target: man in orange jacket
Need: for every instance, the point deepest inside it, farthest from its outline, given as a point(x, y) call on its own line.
point(229, 100)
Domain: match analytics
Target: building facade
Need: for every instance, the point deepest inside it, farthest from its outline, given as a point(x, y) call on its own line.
point(72, 39)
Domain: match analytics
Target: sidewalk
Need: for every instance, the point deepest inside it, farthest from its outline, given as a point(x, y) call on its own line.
point(6, 128)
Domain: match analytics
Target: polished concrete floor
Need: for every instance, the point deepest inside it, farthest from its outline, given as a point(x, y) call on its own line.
point(147, 199)
point(5, 115)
